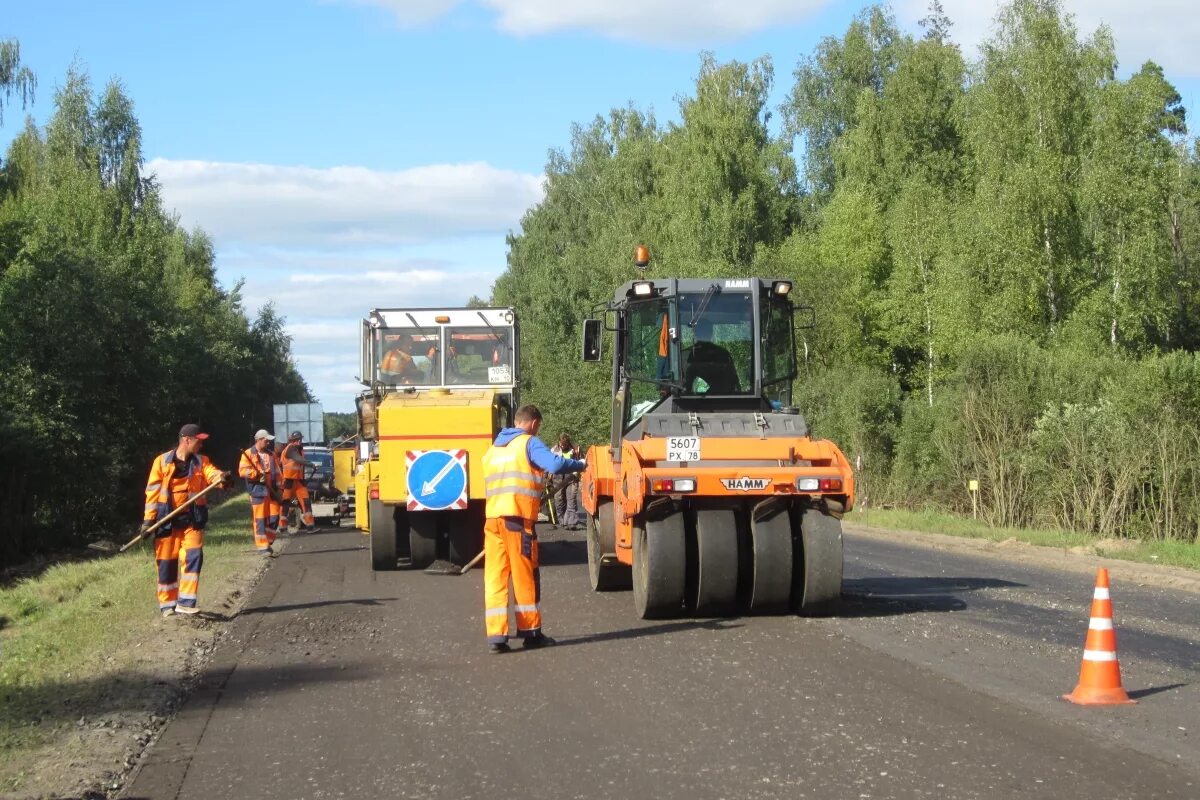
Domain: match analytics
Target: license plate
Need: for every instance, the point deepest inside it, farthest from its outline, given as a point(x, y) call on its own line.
point(683, 448)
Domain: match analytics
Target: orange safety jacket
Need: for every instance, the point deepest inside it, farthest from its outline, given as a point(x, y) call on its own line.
point(397, 361)
point(292, 469)
point(165, 491)
point(513, 485)
point(255, 465)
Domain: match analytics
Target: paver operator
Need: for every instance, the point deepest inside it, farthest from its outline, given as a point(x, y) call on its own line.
point(514, 469)
point(260, 468)
point(175, 476)
point(294, 485)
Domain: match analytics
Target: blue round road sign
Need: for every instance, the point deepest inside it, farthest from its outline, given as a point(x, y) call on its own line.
point(436, 479)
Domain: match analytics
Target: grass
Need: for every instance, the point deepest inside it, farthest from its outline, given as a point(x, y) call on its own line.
point(1174, 553)
point(79, 639)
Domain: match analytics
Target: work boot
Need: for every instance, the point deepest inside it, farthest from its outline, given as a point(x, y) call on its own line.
point(496, 648)
point(189, 610)
point(167, 613)
point(267, 551)
point(534, 642)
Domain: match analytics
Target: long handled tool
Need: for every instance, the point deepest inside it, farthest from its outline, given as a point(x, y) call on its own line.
point(471, 563)
point(190, 502)
point(440, 567)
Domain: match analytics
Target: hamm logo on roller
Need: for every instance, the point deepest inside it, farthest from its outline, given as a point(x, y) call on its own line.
point(745, 484)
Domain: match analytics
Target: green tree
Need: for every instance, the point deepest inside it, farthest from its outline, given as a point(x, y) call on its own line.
point(15, 78)
point(1027, 125)
point(725, 187)
point(1124, 204)
point(823, 105)
point(113, 329)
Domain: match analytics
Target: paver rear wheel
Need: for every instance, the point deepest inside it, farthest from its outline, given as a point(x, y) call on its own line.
point(659, 566)
point(466, 532)
point(422, 538)
point(383, 535)
point(601, 542)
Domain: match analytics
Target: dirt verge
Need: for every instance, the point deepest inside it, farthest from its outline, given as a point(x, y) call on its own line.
point(94, 742)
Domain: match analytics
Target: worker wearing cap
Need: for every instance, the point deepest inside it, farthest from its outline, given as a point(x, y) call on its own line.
point(176, 476)
point(261, 470)
point(294, 486)
point(514, 471)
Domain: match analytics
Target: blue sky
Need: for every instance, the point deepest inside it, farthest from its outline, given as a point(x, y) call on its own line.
point(348, 154)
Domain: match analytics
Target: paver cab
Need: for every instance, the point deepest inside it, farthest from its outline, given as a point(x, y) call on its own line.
point(711, 494)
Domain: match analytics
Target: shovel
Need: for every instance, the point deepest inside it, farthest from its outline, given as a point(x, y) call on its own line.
point(441, 567)
point(190, 501)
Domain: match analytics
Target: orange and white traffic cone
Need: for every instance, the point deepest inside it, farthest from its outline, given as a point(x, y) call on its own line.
point(1100, 673)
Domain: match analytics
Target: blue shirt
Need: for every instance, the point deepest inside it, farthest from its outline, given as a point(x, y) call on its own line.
point(540, 455)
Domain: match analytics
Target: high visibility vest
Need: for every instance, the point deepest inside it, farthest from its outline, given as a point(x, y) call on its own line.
point(513, 485)
point(165, 491)
point(396, 361)
point(254, 465)
point(292, 470)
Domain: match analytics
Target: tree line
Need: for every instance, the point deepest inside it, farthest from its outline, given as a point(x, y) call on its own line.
point(1003, 255)
point(113, 327)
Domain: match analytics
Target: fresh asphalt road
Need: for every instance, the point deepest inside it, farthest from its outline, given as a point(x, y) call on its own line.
point(941, 678)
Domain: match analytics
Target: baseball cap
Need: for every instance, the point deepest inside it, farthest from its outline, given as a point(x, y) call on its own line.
point(192, 431)
point(296, 435)
point(263, 434)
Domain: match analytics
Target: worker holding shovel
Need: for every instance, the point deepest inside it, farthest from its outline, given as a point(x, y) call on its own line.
point(177, 479)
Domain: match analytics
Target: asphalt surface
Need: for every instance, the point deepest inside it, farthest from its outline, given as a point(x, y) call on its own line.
point(940, 678)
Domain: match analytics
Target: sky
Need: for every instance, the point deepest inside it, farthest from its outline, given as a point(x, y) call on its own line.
point(354, 154)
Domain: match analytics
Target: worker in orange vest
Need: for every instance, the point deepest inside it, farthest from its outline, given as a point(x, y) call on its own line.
point(397, 364)
point(514, 472)
point(294, 485)
point(260, 468)
point(176, 476)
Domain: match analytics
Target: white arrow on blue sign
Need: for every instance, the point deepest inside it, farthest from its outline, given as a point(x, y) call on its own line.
point(437, 479)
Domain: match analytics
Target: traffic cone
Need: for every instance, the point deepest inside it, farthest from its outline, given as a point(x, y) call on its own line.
point(1100, 673)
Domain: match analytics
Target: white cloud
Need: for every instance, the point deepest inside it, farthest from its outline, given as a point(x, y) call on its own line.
point(327, 245)
point(344, 206)
point(323, 309)
point(300, 297)
point(673, 22)
point(683, 22)
point(411, 12)
point(1164, 31)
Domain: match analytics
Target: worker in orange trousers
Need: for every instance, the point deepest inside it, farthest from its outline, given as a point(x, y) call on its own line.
point(260, 468)
point(294, 486)
point(176, 476)
point(514, 472)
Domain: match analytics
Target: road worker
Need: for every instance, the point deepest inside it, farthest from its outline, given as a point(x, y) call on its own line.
point(175, 476)
point(514, 472)
point(294, 485)
point(264, 480)
point(566, 498)
point(397, 363)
